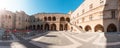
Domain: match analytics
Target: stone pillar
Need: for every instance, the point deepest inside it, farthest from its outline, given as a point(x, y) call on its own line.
point(49, 26)
point(57, 26)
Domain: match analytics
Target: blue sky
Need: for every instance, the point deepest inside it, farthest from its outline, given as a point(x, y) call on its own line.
point(38, 6)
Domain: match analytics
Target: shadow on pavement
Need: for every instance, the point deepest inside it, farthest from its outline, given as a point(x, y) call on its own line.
point(110, 23)
point(27, 42)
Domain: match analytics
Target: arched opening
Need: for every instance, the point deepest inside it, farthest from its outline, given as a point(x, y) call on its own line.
point(66, 27)
point(53, 27)
point(54, 18)
point(61, 27)
point(62, 19)
point(46, 27)
point(41, 27)
point(80, 27)
point(111, 28)
point(9, 17)
point(45, 18)
point(68, 19)
point(49, 18)
point(30, 27)
point(38, 27)
point(26, 28)
point(87, 28)
point(33, 27)
point(99, 28)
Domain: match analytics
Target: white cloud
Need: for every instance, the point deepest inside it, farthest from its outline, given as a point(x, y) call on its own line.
point(13, 5)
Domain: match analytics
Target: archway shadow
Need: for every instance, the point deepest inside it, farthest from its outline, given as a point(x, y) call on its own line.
point(27, 42)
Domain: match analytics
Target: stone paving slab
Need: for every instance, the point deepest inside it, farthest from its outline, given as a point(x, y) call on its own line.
point(74, 44)
point(53, 38)
point(112, 38)
point(83, 35)
point(5, 47)
point(102, 40)
point(66, 40)
point(109, 37)
point(5, 43)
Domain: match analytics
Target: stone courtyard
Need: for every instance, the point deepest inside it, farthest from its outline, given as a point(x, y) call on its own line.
point(65, 39)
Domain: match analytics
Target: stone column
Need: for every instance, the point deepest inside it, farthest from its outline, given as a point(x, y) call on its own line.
point(58, 26)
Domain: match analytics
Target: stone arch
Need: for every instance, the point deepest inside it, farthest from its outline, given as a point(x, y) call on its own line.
point(33, 27)
point(54, 18)
point(53, 27)
point(26, 28)
point(49, 18)
point(88, 28)
point(66, 27)
point(45, 18)
point(99, 28)
point(62, 19)
point(41, 27)
point(111, 28)
point(38, 27)
point(46, 27)
point(61, 27)
point(68, 19)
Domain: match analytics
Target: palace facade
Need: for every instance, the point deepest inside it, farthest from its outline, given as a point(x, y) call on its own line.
point(10, 20)
point(90, 16)
point(97, 16)
point(50, 21)
point(19, 20)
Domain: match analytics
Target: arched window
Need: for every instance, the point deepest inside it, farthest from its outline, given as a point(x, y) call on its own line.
point(62, 19)
point(49, 18)
point(45, 18)
point(54, 18)
point(68, 19)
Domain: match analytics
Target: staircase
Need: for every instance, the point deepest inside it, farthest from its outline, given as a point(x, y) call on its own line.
point(76, 27)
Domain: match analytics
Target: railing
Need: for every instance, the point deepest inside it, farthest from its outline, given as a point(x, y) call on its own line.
point(76, 27)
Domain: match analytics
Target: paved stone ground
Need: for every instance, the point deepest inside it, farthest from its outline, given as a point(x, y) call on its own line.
point(54, 38)
point(97, 40)
point(80, 40)
point(18, 42)
point(65, 39)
